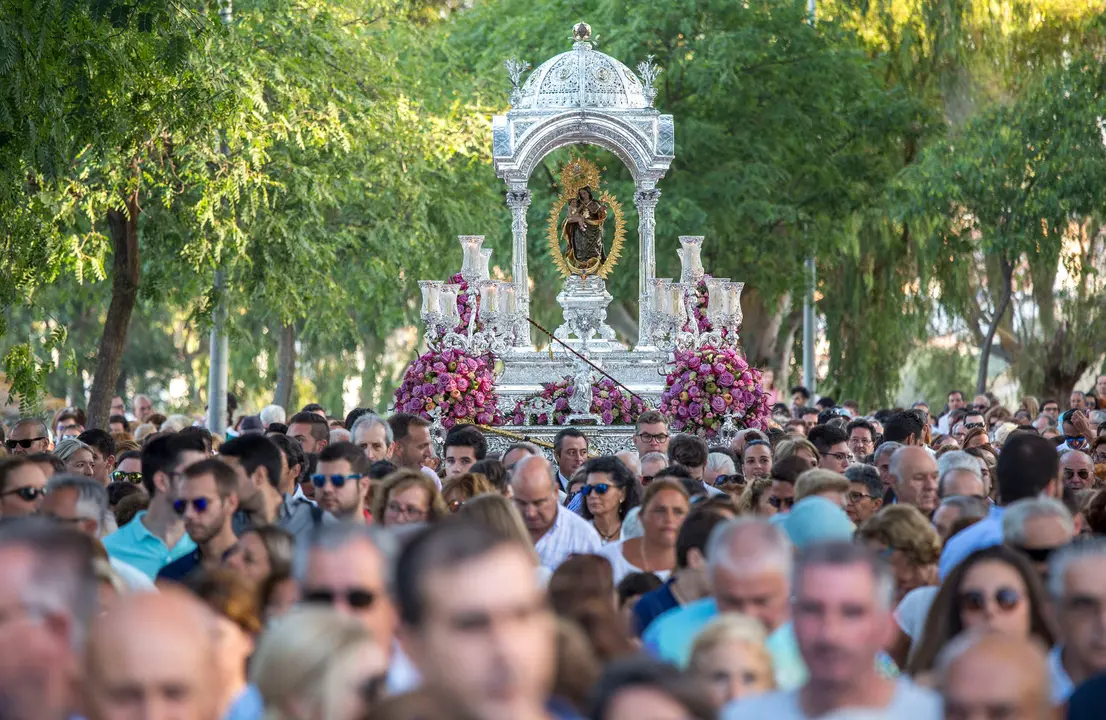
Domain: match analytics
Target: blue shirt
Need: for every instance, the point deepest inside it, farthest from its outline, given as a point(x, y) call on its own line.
point(984, 534)
point(249, 705)
point(652, 605)
point(671, 636)
point(137, 546)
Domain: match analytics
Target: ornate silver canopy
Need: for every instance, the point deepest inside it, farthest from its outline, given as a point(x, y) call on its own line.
point(584, 96)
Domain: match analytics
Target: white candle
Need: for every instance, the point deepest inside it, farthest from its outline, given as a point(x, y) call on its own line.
point(508, 299)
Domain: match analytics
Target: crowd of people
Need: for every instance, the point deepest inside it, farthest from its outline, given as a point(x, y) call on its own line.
point(903, 564)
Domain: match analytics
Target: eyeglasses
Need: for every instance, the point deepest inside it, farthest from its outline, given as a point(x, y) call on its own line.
point(200, 504)
point(26, 443)
point(337, 481)
point(1006, 598)
point(30, 494)
point(1081, 474)
point(356, 598)
point(1075, 440)
point(455, 505)
point(650, 438)
point(855, 497)
point(131, 477)
point(972, 426)
point(415, 513)
point(726, 479)
point(840, 457)
point(597, 488)
point(780, 503)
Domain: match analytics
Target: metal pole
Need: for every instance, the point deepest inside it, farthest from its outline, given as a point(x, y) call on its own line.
point(809, 378)
point(219, 350)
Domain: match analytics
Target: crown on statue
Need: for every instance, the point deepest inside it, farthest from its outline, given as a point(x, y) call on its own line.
point(578, 173)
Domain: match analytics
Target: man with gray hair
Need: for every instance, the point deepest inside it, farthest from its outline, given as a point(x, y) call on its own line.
point(915, 473)
point(272, 414)
point(882, 459)
point(1038, 527)
point(346, 567)
point(959, 474)
point(1077, 583)
point(842, 608)
point(81, 503)
point(718, 463)
point(48, 596)
point(374, 435)
point(749, 563)
point(955, 508)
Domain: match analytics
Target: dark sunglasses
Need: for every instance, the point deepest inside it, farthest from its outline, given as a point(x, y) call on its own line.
point(200, 504)
point(1038, 554)
point(1082, 474)
point(26, 443)
point(131, 477)
point(1075, 440)
point(646, 479)
point(1006, 598)
point(779, 503)
point(598, 489)
point(30, 494)
point(335, 480)
point(356, 598)
point(724, 479)
point(972, 426)
point(455, 505)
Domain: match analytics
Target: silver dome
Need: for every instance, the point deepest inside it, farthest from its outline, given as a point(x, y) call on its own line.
point(582, 78)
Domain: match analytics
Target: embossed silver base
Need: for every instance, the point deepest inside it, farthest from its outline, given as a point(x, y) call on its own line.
point(602, 439)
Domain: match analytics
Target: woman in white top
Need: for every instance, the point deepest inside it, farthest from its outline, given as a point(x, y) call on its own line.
point(610, 490)
point(663, 509)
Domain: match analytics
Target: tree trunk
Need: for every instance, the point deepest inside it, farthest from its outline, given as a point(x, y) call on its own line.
point(286, 366)
point(126, 272)
point(1007, 270)
point(370, 376)
point(786, 350)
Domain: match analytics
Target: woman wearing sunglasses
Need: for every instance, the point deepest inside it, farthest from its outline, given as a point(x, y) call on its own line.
point(610, 490)
point(995, 589)
point(663, 509)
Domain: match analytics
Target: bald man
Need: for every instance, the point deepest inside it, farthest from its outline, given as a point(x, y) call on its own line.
point(995, 675)
point(152, 656)
point(556, 531)
point(915, 473)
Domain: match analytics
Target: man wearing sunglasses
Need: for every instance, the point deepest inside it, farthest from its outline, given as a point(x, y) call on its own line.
point(21, 487)
point(28, 436)
point(346, 568)
point(341, 481)
point(207, 502)
point(1076, 469)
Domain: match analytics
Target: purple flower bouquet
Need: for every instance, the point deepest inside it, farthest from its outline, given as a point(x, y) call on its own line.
point(608, 400)
point(461, 385)
point(706, 384)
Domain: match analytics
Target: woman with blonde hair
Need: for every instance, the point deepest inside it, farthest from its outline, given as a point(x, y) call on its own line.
point(730, 659)
point(77, 456)
point(238, 616)
point(315, 663)
point(407, 496)
point(499, 514)
point(800, 447)
point(664, 506)
point(754, 501)
point(463, 488)
point(1031, 406)
point(908, 540)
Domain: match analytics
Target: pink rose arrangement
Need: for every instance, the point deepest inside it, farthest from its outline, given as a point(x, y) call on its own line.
point(706, 384)
point(613, 404)
point(461, 385)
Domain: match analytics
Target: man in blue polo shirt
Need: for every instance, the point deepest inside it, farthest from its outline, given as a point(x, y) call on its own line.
point(1028, 467)
point(156, 537)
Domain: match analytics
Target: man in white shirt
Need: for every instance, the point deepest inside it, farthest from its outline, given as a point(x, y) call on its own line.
point(556, 531)
point(841, 610)
point(1077, 581)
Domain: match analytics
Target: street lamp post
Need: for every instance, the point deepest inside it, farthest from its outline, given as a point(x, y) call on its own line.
point(217, 370)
